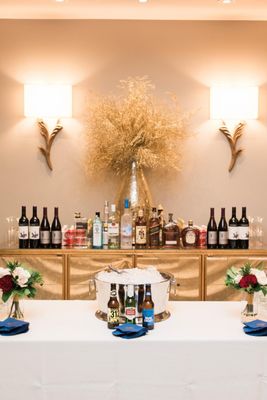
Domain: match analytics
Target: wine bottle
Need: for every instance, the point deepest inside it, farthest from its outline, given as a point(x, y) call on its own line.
point(23, 229)
point(223, 231)
point(45, 231)
point(233, 230)
point(243, 230)
point(34, 230)
point(56, 234)
point(212, 236)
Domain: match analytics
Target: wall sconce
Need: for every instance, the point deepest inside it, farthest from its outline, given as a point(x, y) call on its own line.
point(51, 101)
point(234, 103)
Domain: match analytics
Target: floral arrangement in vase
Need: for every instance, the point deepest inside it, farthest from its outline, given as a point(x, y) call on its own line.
point(134, 131)
point(18, 282)
point(250, 280)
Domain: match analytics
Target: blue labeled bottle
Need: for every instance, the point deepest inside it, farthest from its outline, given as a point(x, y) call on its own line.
point(148, 309)
point(97, 232)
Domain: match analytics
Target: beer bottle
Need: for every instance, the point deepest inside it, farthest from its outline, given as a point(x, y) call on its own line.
point(113, 308)
point(130, 305)
point(148, 309)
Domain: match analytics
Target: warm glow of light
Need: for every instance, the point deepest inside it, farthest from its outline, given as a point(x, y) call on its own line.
point(47, 101)
point(234, 102)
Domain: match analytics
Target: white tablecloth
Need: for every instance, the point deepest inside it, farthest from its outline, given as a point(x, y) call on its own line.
point(200, 353)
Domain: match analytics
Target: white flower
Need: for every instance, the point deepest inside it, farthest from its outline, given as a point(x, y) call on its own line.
point(260, 275)
point(238, 278)
point(22, 276)
point(4, 272)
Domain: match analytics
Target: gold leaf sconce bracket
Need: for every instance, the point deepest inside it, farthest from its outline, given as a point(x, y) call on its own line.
point(49, 139)
point(232, 140)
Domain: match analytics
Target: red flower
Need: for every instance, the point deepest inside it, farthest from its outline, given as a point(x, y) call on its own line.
point(248, 280)
point(6, 283)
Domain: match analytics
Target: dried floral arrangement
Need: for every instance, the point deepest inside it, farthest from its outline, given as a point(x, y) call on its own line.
point(134, 126)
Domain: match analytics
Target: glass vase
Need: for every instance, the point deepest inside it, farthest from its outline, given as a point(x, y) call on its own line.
point(250, 311)
point(15, 309)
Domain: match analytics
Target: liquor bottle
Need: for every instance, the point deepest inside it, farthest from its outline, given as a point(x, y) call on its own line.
point(212, 235)
point(105, 225)
point(223, 231)
point(190, 235)
point(34, 230)
point(154, 230)
point(243, 230)
point(126, 227)
point(23, 229)
point(81, 226)
point(233, 230)
point(148, 309)
point(122, 298)
point(45, 239)
point(113, 316)
point(113, 229)
point(56, 234)
point(161, 224)
point(97, 232)
point(171, 234)
point(140, 231)
point(130, 305)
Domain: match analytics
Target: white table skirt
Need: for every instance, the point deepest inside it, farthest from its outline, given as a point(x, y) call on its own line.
point(200, 353)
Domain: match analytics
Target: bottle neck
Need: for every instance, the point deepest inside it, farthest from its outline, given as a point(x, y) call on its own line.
point(212, 213)
point(34, 211)
point(23, 211)
point(56, 212)
point(244, 212)
point(233, 212)
point(45, 212)
point(223, 213)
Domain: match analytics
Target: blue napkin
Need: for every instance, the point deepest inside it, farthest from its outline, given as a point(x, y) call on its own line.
point(12, 326)
point(130, 331)
point(256, 328)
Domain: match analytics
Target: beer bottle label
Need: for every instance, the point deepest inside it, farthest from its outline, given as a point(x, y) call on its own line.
point(113, 316)
point(148, 317)
point(130, 313)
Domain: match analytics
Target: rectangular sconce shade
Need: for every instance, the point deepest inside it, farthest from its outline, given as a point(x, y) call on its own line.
point(234, 102)
point(47, 101)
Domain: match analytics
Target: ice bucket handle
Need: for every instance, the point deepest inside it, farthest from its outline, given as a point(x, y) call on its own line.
point(173, 286)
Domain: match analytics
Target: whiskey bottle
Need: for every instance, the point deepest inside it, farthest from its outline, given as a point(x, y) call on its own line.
point(113, 316)
point(171, 234)
point(113, 229)
point(161, 224)
point(140, 231)
point(190, 235)
point(154, 230)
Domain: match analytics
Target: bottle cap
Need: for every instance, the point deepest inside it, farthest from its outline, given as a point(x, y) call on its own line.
point(154, 209)
point(126, 203)
point(190, 222)
point(97, 214)
point(77, 215)
point(160, 207)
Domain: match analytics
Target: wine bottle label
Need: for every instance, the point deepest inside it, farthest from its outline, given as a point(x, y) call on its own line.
point(148, 317)
point(243, 232)
point(130, 313)
point(233, 233)
point(45, 237)
point(56, 237)
point(113, 229)
point(113, 316)
point(140, 234)
point(23, 232)
point(171, 242)
point(190, 237)
point(212, 237)
point(34, 232)
point(97, 235)
point(223, 237)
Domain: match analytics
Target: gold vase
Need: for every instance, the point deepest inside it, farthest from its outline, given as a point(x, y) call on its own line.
point(135, 188)
point(15, 309)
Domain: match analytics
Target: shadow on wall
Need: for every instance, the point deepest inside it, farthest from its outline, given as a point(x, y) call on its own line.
point(11, 102)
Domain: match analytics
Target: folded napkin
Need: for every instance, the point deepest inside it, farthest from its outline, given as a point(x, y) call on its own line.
point(130, 331)
point(12, 326)
point(256, 328)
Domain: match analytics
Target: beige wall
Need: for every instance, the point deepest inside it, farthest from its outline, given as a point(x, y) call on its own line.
point(184, 57)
